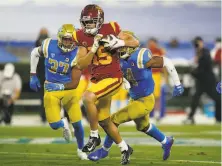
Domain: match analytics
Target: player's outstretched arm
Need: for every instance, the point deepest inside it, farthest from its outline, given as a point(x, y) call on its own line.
point(128, 39)
point(35, 54)
point(34, 81)
point(76, 74)
point(159, 62)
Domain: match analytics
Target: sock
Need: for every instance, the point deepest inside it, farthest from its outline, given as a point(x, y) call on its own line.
point(94, 133)
point(57, 125)
point(123, 146)
point(107, 143)
point(65, 122)
point(79, 133)
point(154, 132)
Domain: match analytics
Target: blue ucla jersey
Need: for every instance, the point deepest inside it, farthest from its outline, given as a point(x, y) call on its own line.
point(58, 64)
point(139, 77)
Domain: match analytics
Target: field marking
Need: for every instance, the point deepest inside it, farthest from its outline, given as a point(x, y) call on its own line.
point(69, 155)
point(130, 140)
point(214, 132)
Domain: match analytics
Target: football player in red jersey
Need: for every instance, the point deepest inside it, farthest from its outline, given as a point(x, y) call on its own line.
point(106, 75)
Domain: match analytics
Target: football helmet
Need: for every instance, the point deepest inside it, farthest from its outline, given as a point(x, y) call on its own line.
point(125, 52)
point(91, 19)
point(65, 37)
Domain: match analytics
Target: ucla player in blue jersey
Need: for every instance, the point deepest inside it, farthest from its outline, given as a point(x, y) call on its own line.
point(62, 79)
point(136, 65)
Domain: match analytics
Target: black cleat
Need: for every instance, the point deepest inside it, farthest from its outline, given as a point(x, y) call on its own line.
point(91, 144)
point(126, 156)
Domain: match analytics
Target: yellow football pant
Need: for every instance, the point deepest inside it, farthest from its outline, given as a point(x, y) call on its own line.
point(137, 110)
point(68, 99)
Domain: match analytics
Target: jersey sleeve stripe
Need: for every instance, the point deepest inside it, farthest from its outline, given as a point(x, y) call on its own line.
point(75, 36)
point(113, 26)
point(149, 54)
point(45, 47)
point(140, 58)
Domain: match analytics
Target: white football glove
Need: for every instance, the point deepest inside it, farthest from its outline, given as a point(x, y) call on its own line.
point(95, 45)
point(112, 42)
point(126, 84)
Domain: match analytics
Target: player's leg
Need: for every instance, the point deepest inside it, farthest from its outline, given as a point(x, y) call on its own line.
point(150, 129)
point(143, 125)
point(104, 91)
point(71, 104)
point(118, 118)
point(52, 104)
point(90, 97)
point(111, 129)
point(125, 114)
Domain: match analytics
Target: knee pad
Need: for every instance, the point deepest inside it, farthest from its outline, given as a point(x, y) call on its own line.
point(56, 125)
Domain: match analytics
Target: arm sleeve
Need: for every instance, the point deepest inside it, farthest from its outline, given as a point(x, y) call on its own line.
point(34, 59)
point(144, 56)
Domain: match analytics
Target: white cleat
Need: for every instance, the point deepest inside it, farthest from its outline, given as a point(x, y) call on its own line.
point(82, 155)
point(66, 131)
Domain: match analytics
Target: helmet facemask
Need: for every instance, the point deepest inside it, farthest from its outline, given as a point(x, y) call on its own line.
point(91, 26)
point(65, 38)
point(125, 52)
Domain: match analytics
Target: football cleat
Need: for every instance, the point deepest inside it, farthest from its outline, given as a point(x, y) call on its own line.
point(126, 155)
point(82, 155)
point(91, 144)
point(98, 154)
point(66, 131)
point(167, 147)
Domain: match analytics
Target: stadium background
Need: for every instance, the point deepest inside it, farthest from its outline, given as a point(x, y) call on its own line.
point(163, 20)
point(21, 21)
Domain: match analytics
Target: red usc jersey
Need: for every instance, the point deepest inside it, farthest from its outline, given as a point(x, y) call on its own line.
point(156, 52)
point(104, 65)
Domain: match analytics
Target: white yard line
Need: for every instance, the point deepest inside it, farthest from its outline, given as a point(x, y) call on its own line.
point(69, 155)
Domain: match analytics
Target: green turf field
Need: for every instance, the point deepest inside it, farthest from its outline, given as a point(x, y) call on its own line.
point(41, 146)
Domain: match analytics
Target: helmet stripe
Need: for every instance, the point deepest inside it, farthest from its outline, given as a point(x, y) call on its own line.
point(113, 26)
point(75, 36)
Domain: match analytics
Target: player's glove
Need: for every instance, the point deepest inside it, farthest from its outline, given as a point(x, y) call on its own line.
point(126, 84)
point(95, 45)
point(54, 87)
point(112, 42)
point(34, 83)
point(178, 90)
